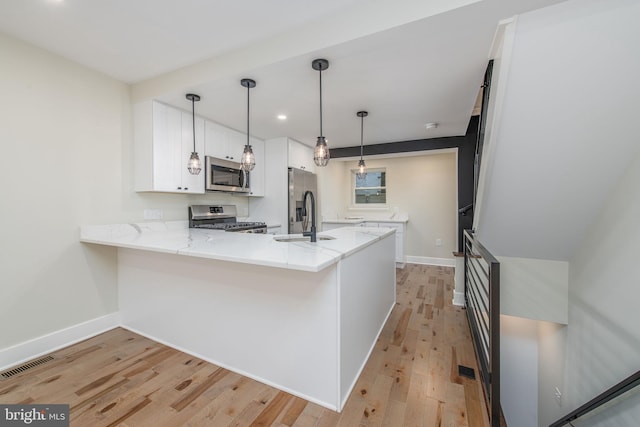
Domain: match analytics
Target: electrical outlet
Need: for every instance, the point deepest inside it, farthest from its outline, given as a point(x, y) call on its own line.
point(153, 214)
point(438, 242)
point(558, 395)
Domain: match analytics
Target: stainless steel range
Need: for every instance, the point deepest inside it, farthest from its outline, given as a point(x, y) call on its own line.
point(222, 217)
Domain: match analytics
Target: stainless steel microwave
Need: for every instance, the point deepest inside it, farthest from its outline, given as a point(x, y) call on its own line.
point(223, 175)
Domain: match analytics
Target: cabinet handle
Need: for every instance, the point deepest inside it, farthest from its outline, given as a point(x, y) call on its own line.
point(186, 188)
point(179, 188)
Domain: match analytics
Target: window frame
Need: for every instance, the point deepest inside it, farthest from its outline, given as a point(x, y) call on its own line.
point(355, 205)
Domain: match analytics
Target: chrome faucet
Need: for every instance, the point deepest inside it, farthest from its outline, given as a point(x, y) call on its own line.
point(311, 233)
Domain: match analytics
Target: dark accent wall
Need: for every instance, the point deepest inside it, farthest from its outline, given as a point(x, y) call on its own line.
point(466, 146)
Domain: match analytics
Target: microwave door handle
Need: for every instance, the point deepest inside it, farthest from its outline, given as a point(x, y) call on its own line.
point(244, 178)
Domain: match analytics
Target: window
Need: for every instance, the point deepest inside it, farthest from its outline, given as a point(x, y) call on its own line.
point(370, 190)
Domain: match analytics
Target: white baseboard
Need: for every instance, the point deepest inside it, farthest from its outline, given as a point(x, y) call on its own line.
point(443, 262)
point(458, 299)
point(25, 351)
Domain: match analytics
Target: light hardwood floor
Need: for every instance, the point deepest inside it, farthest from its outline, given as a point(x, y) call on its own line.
point(120, 378)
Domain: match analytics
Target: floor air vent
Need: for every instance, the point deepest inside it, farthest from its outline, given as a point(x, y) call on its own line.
point(465, 371)
point(22, 368)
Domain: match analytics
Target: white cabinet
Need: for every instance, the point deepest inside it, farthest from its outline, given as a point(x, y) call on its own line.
point(163, 138)
point(224, 143)
point(400, 227)
point(301, 156)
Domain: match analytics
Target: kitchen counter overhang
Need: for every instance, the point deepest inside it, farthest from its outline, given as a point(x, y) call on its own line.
point(258, 249)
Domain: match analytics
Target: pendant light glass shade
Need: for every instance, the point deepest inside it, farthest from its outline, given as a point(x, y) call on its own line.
point(321, 152)
point(194, 166)
point(362, 168)
point(248, 161)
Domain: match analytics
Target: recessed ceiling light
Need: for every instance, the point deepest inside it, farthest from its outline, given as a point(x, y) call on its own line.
point(282, 117)
point(430, 125)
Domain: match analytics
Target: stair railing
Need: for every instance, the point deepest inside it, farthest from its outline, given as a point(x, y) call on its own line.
point(611, 393)
point(482, 295)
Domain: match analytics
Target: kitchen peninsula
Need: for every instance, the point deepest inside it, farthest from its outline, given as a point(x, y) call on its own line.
point(300, 316)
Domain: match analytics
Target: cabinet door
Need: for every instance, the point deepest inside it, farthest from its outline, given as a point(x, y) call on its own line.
point(167, 147)
point(301, 156)
point(191, 183)
point(215, 139)
point(235, 145)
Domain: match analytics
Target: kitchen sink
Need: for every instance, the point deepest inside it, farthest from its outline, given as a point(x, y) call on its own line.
point(298, 238)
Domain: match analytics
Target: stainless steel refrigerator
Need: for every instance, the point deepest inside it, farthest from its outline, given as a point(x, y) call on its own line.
point(299, 182)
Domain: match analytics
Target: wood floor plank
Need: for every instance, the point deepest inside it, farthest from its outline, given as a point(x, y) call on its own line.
point(120, 378)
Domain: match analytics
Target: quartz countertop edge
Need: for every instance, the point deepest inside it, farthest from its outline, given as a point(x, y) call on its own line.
point(396, 219)
point(175, 237)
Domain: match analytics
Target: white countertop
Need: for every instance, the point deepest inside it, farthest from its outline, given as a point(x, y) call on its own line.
point(398, 218)
point(259, 249)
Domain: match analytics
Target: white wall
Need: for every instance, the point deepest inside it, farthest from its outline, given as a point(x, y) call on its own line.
point(66, 138)
point(425, 187)
point(604, 289)
point(519, 371)
point(534, 288)
point(567, 128)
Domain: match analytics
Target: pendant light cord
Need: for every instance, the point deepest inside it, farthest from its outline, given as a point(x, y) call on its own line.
point(321, 134)
point(248, 89)
point(193, 121)
point(361, 131)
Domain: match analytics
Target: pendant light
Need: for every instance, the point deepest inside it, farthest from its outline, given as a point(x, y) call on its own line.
point(194, 165)
point(321, 152)
point(362, 168)
point(248, 159)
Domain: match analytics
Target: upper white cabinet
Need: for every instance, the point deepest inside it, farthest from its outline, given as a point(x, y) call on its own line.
point(301, 156)
point(223, 143)
point(163, 144)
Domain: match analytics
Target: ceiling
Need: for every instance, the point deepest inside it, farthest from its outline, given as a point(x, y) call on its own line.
point(406, 70)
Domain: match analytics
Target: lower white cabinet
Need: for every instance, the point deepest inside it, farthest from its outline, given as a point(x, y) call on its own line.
point(163, 138)
point(400, 227)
